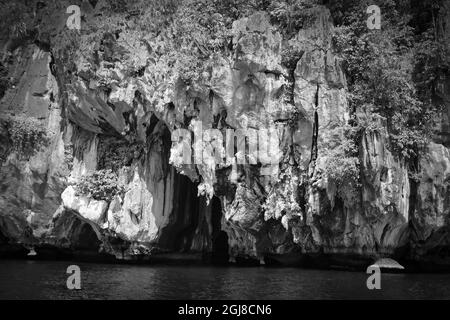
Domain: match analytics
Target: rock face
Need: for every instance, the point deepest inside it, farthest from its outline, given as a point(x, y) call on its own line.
point(115, 104)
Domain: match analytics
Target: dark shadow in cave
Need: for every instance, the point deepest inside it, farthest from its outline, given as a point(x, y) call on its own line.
point(3, 238)
point(187, 206)
point(84, 239)
point(178, 235)
point(10, 250)
point(188, 228)
point(219, 237)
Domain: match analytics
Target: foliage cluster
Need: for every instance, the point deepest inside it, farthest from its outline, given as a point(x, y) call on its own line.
point(342, 165)
point(101, 185)
point(290, 15)
point(115, 154)
point(392, 71)
point(28, 135)
point(283, 198)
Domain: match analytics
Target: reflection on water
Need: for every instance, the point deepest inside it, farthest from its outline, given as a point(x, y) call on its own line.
point(47, 280)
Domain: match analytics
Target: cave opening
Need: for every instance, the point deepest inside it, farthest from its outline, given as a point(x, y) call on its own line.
point(193, 226)
point(187, 207)
point(84, 239)
point(219, 237)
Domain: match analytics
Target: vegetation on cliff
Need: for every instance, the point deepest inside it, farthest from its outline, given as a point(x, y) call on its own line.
point(28, 135)
point(392, 72)
point(100, 185)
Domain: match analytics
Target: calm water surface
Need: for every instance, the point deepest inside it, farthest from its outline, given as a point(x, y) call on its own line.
point(47, 280)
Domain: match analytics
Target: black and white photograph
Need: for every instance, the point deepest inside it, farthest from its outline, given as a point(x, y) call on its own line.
point(240, 152)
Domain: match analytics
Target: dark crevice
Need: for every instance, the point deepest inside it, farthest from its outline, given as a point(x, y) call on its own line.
point(85, 238)
point(413, 183)
point(314, 148)
point(219, 237)
point(178, 235)
point(291, 77)
point(3, 238)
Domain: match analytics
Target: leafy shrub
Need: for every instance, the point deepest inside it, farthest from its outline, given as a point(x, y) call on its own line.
point(290, 14)
point(290, 57)
point(282, 200)
point(115, 154)
point(101, 185)
point(199, 32)
point(342, 166)
point(343, 171)
point(382, 71)
point(28, 135)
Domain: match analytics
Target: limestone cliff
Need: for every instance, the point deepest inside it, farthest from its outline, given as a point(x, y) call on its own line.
point(109, 97)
